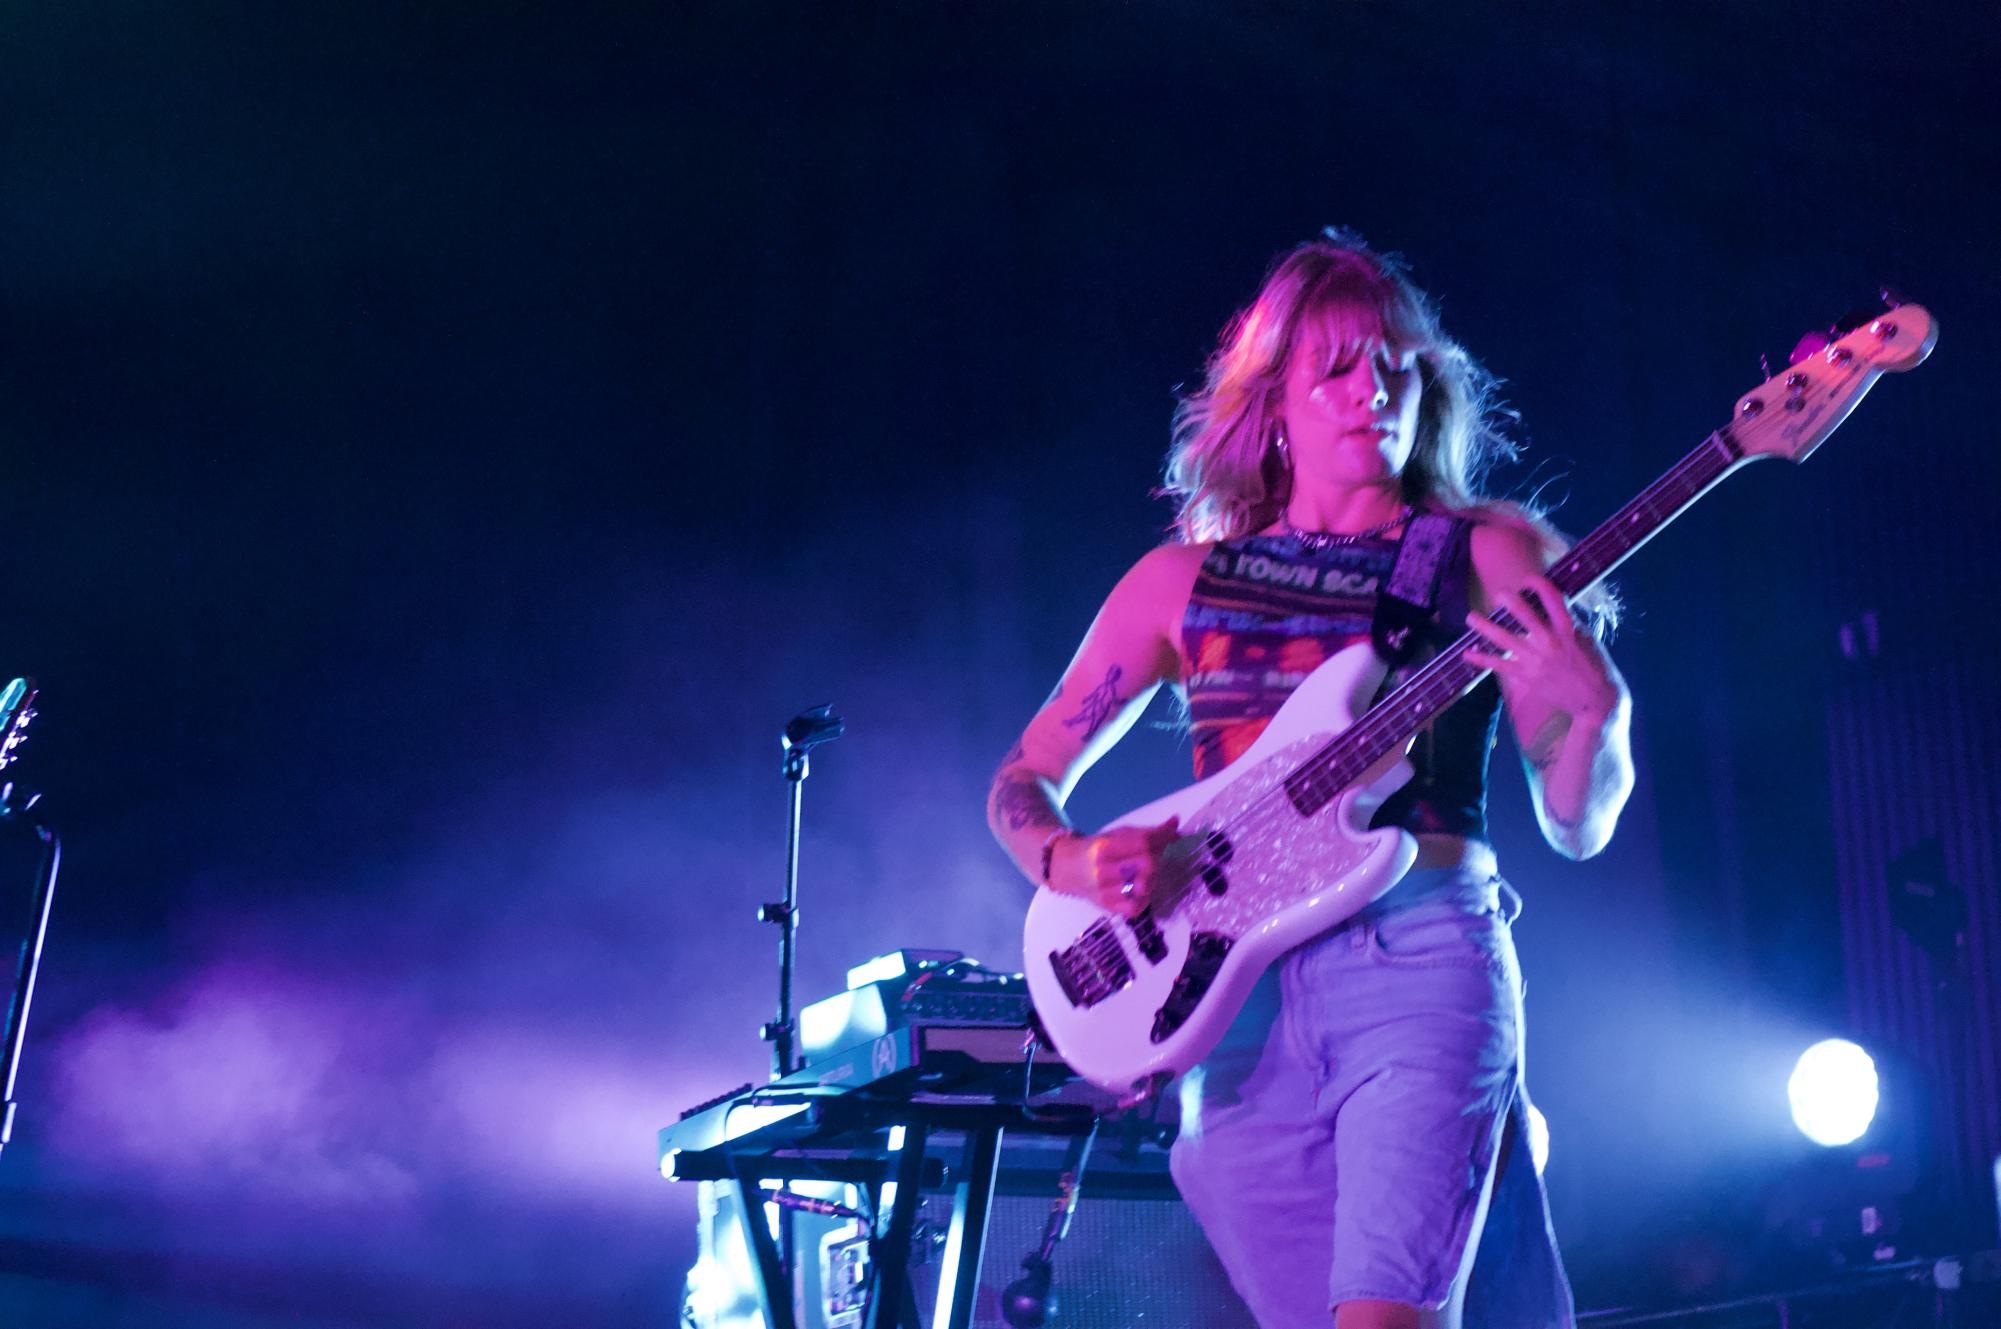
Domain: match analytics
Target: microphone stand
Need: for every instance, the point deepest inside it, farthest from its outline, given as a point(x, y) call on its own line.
point(31, 945)
point(802, 734)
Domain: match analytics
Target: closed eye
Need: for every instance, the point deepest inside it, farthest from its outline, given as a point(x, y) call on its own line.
point(1391, 363)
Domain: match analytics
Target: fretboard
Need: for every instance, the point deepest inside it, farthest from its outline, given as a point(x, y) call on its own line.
point(1446, 677)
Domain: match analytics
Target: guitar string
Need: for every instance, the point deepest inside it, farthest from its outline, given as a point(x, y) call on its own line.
point(1583, 555)
point(1262, 813)
point(1379, 727)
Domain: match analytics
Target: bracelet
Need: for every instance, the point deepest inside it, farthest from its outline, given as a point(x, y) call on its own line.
point(1049, 850)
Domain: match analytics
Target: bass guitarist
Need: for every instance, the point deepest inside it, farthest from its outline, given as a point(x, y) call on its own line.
point(1349, 1146)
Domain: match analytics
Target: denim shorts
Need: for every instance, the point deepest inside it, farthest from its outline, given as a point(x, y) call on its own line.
point(1338, 1144)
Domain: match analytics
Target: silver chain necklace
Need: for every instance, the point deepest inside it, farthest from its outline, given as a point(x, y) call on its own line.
point(1321, 540)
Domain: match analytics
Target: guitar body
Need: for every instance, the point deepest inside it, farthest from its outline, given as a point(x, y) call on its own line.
point(1275, 850)
point(1126, 1003)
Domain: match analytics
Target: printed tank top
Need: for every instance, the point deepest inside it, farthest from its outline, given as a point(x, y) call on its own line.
point(1266, 611)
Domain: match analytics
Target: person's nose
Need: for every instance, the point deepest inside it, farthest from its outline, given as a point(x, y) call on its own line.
point(1377, 390)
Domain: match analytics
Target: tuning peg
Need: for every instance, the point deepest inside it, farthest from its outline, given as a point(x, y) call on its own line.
point(1892, 297)
point(1852, 320)
point(1811, 344)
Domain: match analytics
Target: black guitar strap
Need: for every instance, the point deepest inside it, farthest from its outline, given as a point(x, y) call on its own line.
point(1432, 542)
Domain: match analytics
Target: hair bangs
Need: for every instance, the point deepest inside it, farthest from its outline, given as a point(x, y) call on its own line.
point(1224, 469)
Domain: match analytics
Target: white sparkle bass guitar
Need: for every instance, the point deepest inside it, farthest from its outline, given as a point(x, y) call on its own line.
point(1276, 848)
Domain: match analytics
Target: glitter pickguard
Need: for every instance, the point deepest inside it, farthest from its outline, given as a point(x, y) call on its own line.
point(1276, 878)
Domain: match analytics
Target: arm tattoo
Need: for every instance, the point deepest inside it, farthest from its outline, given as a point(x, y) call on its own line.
point(1542, 749)
point(1020, 801)
point(1099, 705)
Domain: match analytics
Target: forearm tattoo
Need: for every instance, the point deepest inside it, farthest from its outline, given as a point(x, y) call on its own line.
point(1565, 824)
point(1100, 704)
point(1020, 800)
point(1543, 748)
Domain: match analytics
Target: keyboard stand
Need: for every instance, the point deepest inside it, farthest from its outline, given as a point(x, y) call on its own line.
point(897, 1174)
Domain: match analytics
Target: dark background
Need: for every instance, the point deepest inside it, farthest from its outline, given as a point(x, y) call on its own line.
point(443, 444)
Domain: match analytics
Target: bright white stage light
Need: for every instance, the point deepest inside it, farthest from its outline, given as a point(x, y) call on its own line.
point(1833, 1091)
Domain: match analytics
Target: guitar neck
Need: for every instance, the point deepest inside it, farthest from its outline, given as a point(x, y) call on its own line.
point(1447, 676)
point(1592, 559)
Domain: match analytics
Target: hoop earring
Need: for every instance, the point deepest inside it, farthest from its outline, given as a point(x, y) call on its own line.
point(1380, 400)
point(1281, 446)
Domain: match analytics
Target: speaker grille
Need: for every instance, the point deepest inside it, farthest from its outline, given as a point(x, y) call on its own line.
point(1126, 1263)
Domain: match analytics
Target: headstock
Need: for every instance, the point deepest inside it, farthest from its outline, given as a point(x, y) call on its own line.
point(1792, 411)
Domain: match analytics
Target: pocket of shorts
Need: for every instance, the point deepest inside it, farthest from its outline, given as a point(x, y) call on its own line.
point(1429, 939)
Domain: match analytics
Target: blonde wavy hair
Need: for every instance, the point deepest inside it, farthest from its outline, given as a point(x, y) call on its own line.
point(1225, 472)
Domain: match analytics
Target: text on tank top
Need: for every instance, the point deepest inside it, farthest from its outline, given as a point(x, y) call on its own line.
point(1266, 611)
